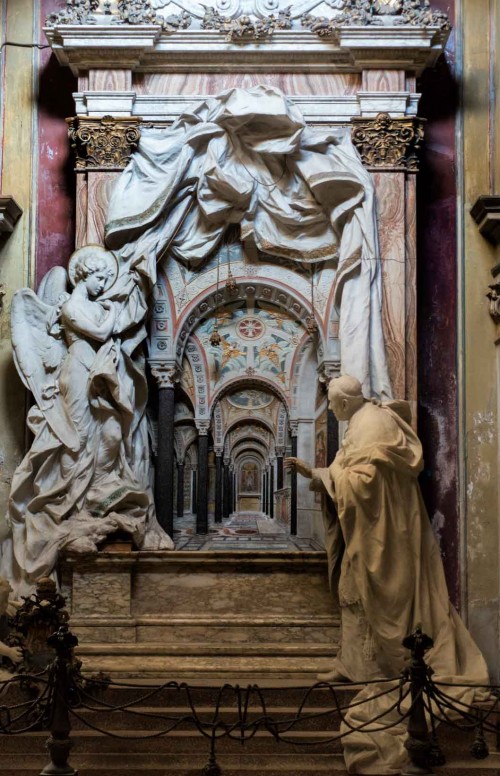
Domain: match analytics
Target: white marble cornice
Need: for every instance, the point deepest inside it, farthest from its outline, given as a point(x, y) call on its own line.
point(316, 109)
point(146, 48)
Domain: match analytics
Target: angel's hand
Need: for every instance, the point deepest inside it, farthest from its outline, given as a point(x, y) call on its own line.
point(15, 654)
point(300, 466)
point(108, 305)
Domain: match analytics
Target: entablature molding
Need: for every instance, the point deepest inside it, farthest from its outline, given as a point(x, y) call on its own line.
point(147, 48)
point(316, 109)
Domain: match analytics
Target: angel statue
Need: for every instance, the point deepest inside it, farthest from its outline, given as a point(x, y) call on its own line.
point(86, 474)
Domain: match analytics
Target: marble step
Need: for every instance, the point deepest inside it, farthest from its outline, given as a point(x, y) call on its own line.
point(231, 765)
point(88, 742)
point(218, 662)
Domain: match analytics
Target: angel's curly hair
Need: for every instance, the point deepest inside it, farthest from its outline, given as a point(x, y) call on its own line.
point(88, 265)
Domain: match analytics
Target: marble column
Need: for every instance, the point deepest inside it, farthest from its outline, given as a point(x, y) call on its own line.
point(332, 436)
point(264, 492)
point(279, 471)
point(226, 494)
point(271, 490)
point(166, 376)
point(194, 491)
point(218, 487)
point(233, 488)
point(202, 505)
point(293, 488)
point(180, 489)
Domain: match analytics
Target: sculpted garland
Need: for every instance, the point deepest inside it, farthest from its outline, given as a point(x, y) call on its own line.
point(255, 22)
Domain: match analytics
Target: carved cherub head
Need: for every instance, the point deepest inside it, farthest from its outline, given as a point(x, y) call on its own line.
point(94, 266)
point(345, 396)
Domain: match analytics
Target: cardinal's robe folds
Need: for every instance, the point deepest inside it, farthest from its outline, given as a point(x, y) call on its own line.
point(391, 578)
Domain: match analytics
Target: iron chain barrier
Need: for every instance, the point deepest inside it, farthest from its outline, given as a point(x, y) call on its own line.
point(61, 692)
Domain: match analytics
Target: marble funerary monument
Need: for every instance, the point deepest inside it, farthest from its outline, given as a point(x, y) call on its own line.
point(245, 230)
point(260, 241)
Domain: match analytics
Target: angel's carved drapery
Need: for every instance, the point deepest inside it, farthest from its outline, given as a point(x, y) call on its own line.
point(247, 157)
point(87, 472)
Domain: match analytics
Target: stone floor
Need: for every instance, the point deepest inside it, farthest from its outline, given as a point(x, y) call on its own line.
point(241, 531)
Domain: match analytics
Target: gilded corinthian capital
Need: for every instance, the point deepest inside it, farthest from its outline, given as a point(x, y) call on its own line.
point(103, 143)
point(386, 143)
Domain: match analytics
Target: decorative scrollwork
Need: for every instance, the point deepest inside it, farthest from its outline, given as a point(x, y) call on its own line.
point(165, 374)
point(377, 12)
point(246, 28)
point(136, 12)
point(388, 143)
point(76, 12)
point(105, 143)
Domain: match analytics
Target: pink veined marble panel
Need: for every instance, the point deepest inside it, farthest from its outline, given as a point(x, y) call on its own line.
point(383, 81)
point(100, 185)
point(110, 80)
point(81, 210)
point(390, 189)
point(213, 83)
point(411, 294)
point(83, 81)
point(411, 83)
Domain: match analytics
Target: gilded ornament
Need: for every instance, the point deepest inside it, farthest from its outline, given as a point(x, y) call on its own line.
point(360, 13)
point(76, 12)
point(103, 143)
point(388, 143)
point(246, 28)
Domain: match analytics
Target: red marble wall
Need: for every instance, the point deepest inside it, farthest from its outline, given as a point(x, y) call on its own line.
point(437, 305)
point(56, 179)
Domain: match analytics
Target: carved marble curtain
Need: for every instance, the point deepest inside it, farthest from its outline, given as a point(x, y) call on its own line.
point(247, 157)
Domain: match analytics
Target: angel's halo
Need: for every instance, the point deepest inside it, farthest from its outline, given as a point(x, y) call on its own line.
point(92, 250)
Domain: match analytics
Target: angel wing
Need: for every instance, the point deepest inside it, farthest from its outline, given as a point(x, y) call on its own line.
point(39, 350)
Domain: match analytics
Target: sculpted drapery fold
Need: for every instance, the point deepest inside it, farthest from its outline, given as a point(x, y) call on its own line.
point(247, 157)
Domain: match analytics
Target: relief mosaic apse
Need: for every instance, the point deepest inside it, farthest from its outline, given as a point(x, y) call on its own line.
point(255, 340)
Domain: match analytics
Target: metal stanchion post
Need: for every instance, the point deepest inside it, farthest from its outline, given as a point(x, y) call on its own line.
point(419, 741)
point(59, 744)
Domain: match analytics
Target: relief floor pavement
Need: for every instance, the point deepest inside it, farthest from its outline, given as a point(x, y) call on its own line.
point(241, 531)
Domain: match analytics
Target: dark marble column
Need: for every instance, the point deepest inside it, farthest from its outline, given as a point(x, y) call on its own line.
point(194, 492)
point(180, 489)
point(226, 504)
point(271, 490)
point(279, 472)
point(218, 488)
point(293, 490)
point(202, 510)
point(332, 436)
point(232, 480)
point(166, 376)
point(264, 492)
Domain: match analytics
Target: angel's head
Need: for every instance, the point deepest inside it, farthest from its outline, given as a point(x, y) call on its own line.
point(94, 266)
